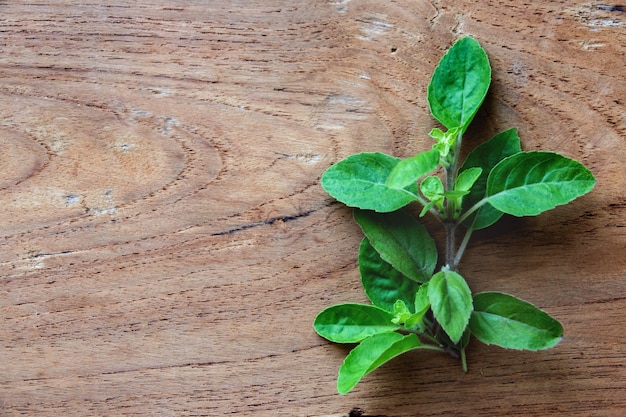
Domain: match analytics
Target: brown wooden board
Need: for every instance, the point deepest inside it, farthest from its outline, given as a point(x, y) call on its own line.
point(165, 242)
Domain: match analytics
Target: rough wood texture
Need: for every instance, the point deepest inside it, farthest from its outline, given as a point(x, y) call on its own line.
point(165, 241)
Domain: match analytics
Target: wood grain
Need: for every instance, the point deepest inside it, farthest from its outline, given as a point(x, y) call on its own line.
point(165, 243)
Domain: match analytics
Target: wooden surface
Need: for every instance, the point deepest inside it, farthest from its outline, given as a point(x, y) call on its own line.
point(165, 242)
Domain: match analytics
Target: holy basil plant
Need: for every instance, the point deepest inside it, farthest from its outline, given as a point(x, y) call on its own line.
point(415, 303)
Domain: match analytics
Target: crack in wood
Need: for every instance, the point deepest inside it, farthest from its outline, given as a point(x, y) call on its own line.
point(269, 222)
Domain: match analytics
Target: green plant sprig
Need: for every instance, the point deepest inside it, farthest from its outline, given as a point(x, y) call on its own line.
point(414, 305)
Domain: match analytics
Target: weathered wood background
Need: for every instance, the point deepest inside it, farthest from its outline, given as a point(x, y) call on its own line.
point(165, 242)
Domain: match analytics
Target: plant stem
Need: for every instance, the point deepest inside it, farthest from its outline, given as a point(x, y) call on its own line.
point(464, 242)
point(424, 203)
point(472, 209)
point(433, 347)
point(463, 360)
point(431, 339)
point(450, 222)
point(450, 244)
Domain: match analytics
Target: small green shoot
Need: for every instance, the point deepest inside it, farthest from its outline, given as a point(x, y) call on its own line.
point(414, 305)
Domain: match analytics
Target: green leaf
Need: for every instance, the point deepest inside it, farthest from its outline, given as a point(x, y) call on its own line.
point(486, 156)
point(503, 320)
point(409, 170)
point(383, 284)
point(451, 302)
point(360, 181)
point(432, 188)
point(459, 84)
point(403, 316)
point(422, 303)
point(455, 193)
point(401, 312)
point(414, 321)
point(529, 183)
point(430, 205)
point(445, 140)
point(401, 241)
point(351, 323)
point(467, 178)
point(370, 354)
